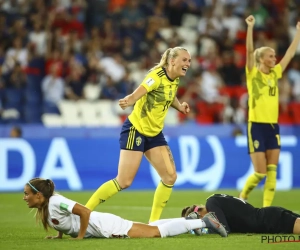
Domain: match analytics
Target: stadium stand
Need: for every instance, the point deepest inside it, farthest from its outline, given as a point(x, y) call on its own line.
point(66, 63)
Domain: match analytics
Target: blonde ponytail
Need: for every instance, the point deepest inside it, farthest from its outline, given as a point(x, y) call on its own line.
point(167, 55)
point(258, 54)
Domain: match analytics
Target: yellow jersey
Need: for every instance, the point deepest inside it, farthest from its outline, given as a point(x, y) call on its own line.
point(263, 102)
point(149, 112)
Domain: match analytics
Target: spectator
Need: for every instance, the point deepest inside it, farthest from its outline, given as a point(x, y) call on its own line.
point(231, 22)
point(263, 40)
point(110, 90)
point(294, 78)
point(113, 67)
point(17, 78)
point(15, 54)
point(260, 14)
point(110, 37)
point(211, 84)
point(110, 43)
point(53, 90)
point(92, 89)
point(230, 73)
point(38, 38)
point(74, 86)
point(125, 86)
point(234, 112)
point(15, 132)
point(133, 21)
point(129, 52)
point(209, 24)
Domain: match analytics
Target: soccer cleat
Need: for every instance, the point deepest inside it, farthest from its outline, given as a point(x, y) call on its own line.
point(213, 223)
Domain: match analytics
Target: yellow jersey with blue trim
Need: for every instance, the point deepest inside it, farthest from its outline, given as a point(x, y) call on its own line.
point(149, 112)
point(263, 102)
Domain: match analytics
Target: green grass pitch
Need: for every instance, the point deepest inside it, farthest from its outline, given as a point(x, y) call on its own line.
point(19, 231)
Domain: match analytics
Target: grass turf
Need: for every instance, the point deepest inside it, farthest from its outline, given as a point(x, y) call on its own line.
point(19, 231)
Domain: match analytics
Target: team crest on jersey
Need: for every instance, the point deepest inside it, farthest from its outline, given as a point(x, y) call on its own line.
point(55, 221)
point(150, 81)
point(256, 144)
point(138, 141)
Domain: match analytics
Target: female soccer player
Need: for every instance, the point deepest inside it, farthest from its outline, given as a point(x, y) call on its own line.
point(71, 218)
point(238, 216)
point(142, 132)
point(262, 75)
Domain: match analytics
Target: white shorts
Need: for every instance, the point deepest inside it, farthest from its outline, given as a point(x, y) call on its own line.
point(110, 225)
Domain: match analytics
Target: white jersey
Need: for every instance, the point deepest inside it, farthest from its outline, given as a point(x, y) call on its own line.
point(101, 225)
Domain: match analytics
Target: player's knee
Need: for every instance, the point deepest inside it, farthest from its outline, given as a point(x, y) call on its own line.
point(169, 179)
point(261, 173)
point(124, 183)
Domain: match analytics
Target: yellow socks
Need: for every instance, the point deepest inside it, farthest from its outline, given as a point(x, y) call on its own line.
point(104, 192)
point(161, 197)
point(270, 185)
point(251, 183)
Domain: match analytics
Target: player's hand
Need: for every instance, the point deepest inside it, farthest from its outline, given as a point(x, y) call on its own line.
point(125, 102)
point(53, 237)
point(184, 108)
point(250, 20)
point(298, 26)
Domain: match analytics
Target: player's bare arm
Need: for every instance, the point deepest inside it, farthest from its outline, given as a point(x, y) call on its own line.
point(132, 98)
point(84, 214)
point(181, 107)
point(250, 20)
point(291, 50)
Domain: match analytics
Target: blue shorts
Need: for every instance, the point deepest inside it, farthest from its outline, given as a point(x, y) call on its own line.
point(262, 137)
point(131, 139)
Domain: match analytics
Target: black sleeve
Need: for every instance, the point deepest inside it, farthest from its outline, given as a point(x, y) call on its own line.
point(212, 205)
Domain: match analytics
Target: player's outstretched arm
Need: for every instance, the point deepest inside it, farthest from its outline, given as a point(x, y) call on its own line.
point(291, 50)
point(250, 20)
point(133, 98)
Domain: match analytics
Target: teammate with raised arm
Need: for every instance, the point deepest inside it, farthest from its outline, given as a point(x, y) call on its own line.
point(262, 75)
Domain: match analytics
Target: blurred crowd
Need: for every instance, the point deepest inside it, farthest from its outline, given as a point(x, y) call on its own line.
point(51, 50)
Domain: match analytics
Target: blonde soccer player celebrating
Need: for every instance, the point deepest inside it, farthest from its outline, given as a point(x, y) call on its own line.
point(142, 131)
point(262, 75)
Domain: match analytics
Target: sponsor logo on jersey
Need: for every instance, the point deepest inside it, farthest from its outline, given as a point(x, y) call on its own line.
point(150, 81)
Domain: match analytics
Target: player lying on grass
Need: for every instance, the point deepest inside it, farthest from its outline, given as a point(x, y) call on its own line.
point(238, 216)
point(71, 218)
